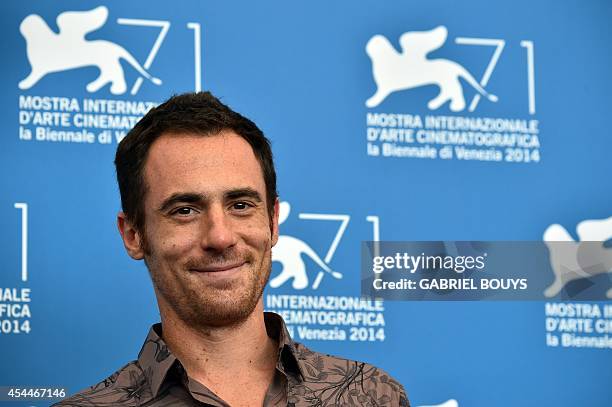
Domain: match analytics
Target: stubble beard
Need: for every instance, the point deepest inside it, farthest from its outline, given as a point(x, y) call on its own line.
point(201, 305)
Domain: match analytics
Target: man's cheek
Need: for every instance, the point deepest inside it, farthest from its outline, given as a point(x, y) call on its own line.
point(175, 242)
point(261, 238)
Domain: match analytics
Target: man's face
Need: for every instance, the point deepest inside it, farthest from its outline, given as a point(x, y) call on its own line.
point(208, 234)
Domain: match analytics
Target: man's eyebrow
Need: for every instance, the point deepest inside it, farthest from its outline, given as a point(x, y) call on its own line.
point(194, 197)
point(243, 193)
point(181, 197)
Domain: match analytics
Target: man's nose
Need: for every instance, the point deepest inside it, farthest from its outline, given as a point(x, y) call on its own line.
point(218, 233)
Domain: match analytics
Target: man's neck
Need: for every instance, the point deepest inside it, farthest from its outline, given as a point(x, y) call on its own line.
point(218, 357)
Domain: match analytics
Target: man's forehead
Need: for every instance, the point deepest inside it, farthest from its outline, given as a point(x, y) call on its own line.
point(183, 161)
point(190, 148)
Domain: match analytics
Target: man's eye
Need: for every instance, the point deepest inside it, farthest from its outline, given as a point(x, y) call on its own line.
point(241, 206)
point(185, 211)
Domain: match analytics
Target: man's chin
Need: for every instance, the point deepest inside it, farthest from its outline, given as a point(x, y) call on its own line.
point(222, 310)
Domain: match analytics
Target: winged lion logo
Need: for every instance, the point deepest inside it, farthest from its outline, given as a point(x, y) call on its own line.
point(50, 52)
point(394, 71)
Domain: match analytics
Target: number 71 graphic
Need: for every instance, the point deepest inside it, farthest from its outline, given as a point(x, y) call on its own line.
point(24, 239)
point(164, 26)
point(499, 47)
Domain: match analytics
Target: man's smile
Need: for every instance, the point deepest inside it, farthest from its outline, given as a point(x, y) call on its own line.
point(222, 270)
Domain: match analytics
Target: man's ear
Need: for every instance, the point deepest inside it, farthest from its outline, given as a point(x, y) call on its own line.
point(132, 240)
point(274, 223)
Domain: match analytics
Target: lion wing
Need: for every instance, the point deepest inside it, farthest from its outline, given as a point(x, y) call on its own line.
point(417, 44)
point(80, 23)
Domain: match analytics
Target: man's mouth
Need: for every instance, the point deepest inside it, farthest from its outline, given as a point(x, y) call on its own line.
point(224, 268)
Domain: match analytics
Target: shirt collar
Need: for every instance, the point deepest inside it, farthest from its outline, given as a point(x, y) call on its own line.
point(156, 360)
point(288, 356)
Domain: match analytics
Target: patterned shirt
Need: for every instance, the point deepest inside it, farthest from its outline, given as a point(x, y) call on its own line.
point(302, 378)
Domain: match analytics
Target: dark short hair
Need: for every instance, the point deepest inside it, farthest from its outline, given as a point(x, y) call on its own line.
point(198, 113)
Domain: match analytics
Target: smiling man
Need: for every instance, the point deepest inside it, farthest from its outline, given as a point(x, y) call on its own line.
point(199, 206)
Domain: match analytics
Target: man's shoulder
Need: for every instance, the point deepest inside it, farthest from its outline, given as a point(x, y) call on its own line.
point(359, 381)
point(125, 387)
